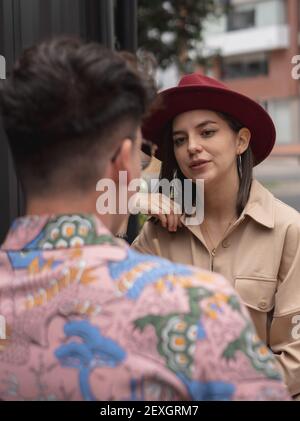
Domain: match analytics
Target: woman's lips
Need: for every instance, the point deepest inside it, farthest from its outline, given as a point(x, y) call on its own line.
point(196, 165)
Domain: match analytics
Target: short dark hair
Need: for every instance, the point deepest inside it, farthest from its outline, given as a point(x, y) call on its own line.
point(63, 107)
point(170, 167)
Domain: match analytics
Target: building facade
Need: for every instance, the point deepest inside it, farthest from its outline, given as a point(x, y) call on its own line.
point(251, 48)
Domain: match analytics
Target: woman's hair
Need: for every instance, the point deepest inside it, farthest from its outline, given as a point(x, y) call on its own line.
point(170, 167)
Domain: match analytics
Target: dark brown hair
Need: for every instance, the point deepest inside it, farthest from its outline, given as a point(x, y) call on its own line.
point(170, 166)
point(64, 107)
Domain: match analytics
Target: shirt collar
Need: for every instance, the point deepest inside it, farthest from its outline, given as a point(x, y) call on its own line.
point(260, 205)
point(51, 232)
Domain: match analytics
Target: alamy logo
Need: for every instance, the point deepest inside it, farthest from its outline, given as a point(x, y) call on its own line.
point(296, 328)
point(2, 327)
point(2, 67)
point(122, 198)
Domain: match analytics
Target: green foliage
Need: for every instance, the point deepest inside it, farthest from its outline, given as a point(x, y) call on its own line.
point(170, 29)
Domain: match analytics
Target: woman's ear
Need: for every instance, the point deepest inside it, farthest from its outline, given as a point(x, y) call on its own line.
point(243, 140)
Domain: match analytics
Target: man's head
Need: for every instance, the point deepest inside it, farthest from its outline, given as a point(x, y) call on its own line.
point(72, 114)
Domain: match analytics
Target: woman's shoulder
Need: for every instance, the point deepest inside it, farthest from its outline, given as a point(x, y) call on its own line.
point(285, 213)
point(150, 237)
point(150, 226)
point(273, 209)
point(153, 226)
point(287, 222)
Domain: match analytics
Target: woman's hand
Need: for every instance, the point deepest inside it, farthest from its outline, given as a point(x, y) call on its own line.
point(161, 207)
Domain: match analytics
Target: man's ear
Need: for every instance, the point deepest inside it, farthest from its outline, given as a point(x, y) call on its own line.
point(123, 160)
point(243, 140)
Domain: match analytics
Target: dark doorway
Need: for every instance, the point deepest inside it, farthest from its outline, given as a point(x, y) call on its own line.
point(25, 22)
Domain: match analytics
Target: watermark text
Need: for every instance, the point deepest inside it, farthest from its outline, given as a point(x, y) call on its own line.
point(296, 328)
point(175, 196)
point(2, 327)
point(2, 67)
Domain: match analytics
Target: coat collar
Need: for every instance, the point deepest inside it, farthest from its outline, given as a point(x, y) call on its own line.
point(260, 205)
point(50, 232)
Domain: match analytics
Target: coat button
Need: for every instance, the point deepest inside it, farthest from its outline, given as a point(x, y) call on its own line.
point(262, 304)
point(213, 252)
point(225, 244)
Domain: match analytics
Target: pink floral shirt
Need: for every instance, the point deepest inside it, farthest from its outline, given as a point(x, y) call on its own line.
point(86, 318)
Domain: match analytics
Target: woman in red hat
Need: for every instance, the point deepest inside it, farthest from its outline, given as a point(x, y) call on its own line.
point(205, 131)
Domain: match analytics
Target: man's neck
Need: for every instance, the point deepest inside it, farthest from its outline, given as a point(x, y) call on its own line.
point(67, 205)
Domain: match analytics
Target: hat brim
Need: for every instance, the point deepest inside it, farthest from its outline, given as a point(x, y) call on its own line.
point(177, 100)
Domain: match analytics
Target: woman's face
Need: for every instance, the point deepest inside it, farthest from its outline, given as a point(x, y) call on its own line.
point(205, 146)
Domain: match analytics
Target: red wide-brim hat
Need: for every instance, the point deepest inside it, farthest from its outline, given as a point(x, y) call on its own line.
point(196, 91)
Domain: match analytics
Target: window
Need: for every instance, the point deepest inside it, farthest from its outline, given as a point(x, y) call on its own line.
point(245, 66)
point(256, 14)
point(240, 19)
point(285, 114)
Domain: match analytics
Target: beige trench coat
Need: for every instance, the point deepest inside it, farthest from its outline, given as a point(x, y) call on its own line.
point(260, 256)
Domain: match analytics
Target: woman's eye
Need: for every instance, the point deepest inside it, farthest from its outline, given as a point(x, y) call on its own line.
point(208, 133)
point(179, 141)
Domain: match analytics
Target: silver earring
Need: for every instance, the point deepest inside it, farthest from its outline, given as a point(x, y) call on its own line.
point(172, 189)
point(239, 165)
